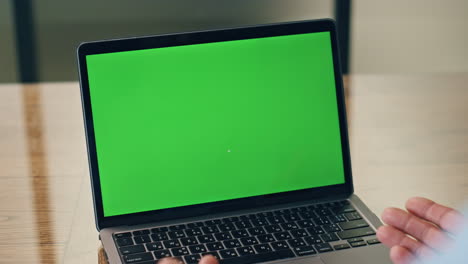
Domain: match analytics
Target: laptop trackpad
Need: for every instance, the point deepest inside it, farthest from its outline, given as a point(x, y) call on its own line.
point(311, 260)
point(362, 255)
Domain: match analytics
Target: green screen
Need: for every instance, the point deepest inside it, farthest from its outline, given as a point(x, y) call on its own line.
point(201, 123)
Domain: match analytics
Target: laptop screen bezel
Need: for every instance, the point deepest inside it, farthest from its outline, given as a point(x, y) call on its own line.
point(190, 38)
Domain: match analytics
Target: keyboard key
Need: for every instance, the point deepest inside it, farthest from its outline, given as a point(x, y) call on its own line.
point(341, 246)
point(171, 243)
point(197, 249)
point(262, 248)
point(307, 215)
point(195, 224)
point(132, 249)
point(337, 218)
point(192, 259)
point(323, 212)
point(245, 251)
point(353, 216)
point(141, 232)
point(305, 250)
point(159, 236)
point(329, 237)
point(160, 229)
point(273, 228)
point(252, 216)
point(214, 246)
point(359, 232)
point(266, 238)
point(230, 219)
point(321, 221)
point(320, 206)
point(154, 246)
point(177, 227)
point(316, 230)
point(122, 235)
point(176, 234)
point(279, 245)
point(133, 258)
point(212, 222)
point(323, 247)
point(243, 224)
point(358, 244)
point(265, 214)
point(294, 210)
point(194, 232)
point(234, 243)
point(248, 241)
point(181, 251)
point(210, 229)
point(282, 236)
point(276, 220)
point(291, 217)
point(305, 223)
point(343, 209)
point(353, 224)
point(162, 253)
point(206, 238)
point(228, 253)
point(373, 241)
point(297, 242)
point(126, 241)
point(240, 233)
point(283, 211)
point(260, 258)
point(142, 239)
point(312, 240)
point(226, 227)
point(188, 241)
point(331, 228)
point(299, 233)
point(244, 218)
point(355, 239)
point(256, 231)
point(223, 236)
point(259, 222)
point(289, 226)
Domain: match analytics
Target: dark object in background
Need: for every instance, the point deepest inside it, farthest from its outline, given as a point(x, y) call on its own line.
point(26, 15)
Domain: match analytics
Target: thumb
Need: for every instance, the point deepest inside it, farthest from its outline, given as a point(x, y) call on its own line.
point(170, 261)
point(208, 259)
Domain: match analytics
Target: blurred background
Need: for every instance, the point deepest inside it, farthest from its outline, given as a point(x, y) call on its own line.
point(399, 36)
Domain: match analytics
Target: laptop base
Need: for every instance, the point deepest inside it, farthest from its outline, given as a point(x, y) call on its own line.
point(354, 248)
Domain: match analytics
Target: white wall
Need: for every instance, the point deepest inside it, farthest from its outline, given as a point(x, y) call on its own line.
point(397, 36)
point(417, 36)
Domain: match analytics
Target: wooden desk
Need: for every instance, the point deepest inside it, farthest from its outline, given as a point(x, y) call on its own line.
point(409, 136)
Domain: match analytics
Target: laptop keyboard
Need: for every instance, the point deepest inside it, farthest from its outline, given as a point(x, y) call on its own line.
point(252, 238)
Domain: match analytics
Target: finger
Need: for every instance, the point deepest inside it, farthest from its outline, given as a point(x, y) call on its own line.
point(401, 255)
point(445, 217)
point(416, 227)
point(208, 259)
point(391, 237)
point(170, 261)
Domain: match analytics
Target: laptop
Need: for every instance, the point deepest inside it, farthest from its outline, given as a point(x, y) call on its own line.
point(227, 142)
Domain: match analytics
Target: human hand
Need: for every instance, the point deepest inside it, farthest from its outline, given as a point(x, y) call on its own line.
point(420, 233)
point(208, 259)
